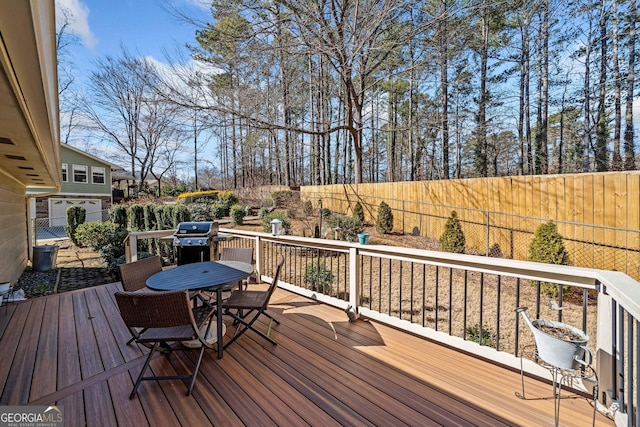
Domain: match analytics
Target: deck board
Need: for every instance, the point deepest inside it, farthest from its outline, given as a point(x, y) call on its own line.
point(70, 349)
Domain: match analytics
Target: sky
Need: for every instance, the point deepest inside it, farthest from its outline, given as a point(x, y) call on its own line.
point(143, 27)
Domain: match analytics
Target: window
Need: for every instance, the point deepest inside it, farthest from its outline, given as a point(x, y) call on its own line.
point(97, 175)
point(65, 177)
point(80, 174)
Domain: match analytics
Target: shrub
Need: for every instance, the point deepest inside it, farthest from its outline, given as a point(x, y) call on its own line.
point(486, 336)
point(150, 219)
point(207, 196)
point(76, 215)
point(452, 239)
point(118, 215)
point(136, 217)
point(547, 246)
point(282, 198)
point(262, 212)
point(326, 213)
point(384, 220)
point(95, 234)
point(228, 199)
point(358, 212)
point(181, 214)
point(318, 276)
point(237, 214)
point(167, 217)
point(307, 208)
point(200, 212)
point(219, 210)
point(266, 222)
point(350, 226)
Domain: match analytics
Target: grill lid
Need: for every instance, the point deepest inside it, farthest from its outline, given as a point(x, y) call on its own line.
point(200, 228)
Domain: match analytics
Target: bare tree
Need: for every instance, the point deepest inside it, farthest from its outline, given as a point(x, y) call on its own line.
point(124, 109)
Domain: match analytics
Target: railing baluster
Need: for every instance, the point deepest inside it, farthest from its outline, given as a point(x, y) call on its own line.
point(464, 316)
point(481, 326)
point(630, 368)
point(517, 341)
point(400, 291)
point(424, 294)
point(450, 301)
point(498, 314)
point(621, 357)
point(437, 295)
point(411, 304)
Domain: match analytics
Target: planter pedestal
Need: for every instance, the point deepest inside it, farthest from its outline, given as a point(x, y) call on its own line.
point(586, 375)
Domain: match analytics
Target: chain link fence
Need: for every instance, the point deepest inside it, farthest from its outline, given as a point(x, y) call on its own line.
point(49, 228)
point(499, 234)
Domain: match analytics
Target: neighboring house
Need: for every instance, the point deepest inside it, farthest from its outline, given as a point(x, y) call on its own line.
point(86, 182)
point(29, 124)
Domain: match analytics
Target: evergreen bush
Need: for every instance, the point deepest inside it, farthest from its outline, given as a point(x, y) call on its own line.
point(358, 212)
point(228, 199)
point(548, 246)
point(167, 217)
point(200, 211)
point(266, 222)
point(318, 276)
point(95, 234)
point(136, 217)
point(150, 219)
point(350, 226)
point(219, 210)
point(181, 214)
point(384, 220)
point(237, 214)
point(452, 239)
point(118, 215)
point(76, 215)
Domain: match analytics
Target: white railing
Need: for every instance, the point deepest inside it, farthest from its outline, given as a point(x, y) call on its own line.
point(440, 295)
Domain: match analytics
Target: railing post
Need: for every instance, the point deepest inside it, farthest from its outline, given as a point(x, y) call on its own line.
point(354, 278)
point(259, 258)
point(133, 248)
point(604, 343)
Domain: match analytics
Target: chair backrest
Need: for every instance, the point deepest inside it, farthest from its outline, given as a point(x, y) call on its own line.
point(237, 254)
point(155, 310)
point(134, 275)
point(276, 277)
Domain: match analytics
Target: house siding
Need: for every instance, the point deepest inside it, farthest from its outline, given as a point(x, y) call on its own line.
point(13, 229)
point(79, 191)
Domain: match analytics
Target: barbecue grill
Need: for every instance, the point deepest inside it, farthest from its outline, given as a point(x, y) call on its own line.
point(192, 241)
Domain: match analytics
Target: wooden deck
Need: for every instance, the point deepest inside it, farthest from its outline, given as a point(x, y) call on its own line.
point(69, 349)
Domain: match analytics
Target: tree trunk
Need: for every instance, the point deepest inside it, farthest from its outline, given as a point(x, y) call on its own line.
point(629, 150)
point(616, 160)
point(600, 154)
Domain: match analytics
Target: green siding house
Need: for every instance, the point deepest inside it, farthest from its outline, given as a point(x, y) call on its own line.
point(86, 181)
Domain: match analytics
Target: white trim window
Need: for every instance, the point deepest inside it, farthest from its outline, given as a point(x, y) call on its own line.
point(65, 172)
point(80, 174)
point(97, 175)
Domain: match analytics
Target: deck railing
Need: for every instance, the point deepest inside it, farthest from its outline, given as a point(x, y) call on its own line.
point(464, 301)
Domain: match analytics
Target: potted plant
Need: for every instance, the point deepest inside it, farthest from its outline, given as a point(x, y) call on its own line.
point(559, 344)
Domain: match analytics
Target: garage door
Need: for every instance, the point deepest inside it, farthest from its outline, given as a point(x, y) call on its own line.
point(58, 210)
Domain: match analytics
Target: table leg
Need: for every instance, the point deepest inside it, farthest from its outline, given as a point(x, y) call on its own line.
point(219, 320)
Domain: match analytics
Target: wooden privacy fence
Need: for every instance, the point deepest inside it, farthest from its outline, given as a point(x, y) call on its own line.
point(598, 214)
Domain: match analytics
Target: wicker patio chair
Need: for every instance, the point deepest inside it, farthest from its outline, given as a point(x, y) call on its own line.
point(251, 303)
point(135, 274)
point(163, 317)
point(133, 277)
point(242, 255)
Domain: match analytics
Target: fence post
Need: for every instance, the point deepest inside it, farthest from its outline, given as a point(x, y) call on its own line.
point(488, 233)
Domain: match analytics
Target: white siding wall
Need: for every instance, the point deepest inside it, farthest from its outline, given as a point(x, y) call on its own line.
point(13, 231)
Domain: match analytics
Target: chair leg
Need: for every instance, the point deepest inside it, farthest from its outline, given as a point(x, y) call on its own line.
point(144, 368)
point(249, 325)
point(195, 370)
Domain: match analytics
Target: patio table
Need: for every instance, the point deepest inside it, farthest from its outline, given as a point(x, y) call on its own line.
point(215, 276)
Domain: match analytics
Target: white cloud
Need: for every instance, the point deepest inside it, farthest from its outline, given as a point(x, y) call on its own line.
point(78, 20)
